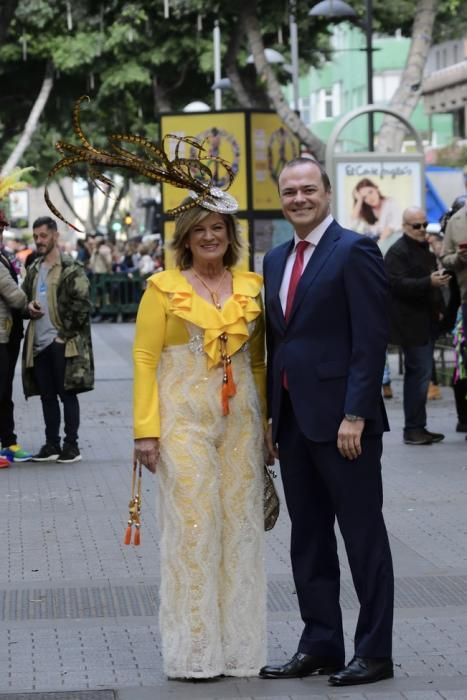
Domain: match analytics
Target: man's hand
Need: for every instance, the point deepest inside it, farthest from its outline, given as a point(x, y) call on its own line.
point(349, 438)
point(147, 452)
point(35, 310)
point(272, 452)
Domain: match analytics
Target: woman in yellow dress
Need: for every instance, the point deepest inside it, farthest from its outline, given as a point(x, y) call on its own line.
point(198, 394)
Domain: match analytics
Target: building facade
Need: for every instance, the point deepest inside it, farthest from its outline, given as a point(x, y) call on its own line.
point(340, 85)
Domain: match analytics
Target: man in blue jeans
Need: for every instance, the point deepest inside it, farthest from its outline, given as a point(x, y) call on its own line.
point(416, 310)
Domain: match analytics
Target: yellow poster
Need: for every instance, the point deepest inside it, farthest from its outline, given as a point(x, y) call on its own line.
point(272, 145)
point(169, 229)
point(223, 135)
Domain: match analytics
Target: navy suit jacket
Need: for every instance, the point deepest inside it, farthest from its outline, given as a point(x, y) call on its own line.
point(333, 347)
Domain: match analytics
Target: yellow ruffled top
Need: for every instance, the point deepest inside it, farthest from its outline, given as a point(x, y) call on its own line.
point(168, 305)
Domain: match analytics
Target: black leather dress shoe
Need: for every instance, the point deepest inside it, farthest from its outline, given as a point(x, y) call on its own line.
point(301, 665)
point(435, 437)
point(363, 670)
point(417, 437)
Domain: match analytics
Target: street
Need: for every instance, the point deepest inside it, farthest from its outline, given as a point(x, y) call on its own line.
point(79, 609)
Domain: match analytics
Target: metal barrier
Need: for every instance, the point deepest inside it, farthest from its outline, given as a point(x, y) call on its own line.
point(116, 295)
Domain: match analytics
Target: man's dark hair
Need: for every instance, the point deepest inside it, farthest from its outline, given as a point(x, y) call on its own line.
point(45, 221)
point(301, 160)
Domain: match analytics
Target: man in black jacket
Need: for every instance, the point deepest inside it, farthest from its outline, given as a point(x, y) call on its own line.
point(416, 310)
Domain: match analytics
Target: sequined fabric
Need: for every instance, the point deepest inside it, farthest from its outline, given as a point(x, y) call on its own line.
point(210, 508)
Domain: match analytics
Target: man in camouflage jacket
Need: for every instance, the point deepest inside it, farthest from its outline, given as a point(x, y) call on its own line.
point(57, 352)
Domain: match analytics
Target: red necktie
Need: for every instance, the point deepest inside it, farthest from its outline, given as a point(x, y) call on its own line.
point(297, 270)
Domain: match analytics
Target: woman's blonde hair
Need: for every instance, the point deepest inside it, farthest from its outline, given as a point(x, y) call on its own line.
point(184, 224)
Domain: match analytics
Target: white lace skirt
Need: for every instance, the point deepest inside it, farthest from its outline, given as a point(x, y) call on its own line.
point(213, 591)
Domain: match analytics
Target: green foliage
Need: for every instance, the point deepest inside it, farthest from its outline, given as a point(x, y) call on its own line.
point(78, 51)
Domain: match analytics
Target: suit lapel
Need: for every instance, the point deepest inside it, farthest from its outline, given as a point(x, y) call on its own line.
point(276, 273)
point(319, 258)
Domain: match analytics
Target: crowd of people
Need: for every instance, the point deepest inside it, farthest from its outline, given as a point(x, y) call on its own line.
point(100, 256)
point(208, 412)
point(141, 255)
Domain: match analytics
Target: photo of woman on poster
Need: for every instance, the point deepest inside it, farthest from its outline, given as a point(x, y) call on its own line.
point(374, 214)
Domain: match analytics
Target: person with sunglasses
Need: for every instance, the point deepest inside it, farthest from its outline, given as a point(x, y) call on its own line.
point(416, 310)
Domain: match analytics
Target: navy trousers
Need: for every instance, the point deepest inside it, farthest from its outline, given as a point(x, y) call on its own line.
point(321, 486)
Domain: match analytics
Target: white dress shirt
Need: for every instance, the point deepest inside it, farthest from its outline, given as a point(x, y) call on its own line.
point(313, 238)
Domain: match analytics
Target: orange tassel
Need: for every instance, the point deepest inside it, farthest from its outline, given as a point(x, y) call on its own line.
point(225, 399)
point(134, 506)
point(127, 539)
point(230, 380)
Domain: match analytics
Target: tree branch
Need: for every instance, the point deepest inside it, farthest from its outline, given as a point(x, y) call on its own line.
point(69, 204)
point(123, 191)
point(231, 67)
point(274, 90)
point(32, 121)
point(406, 97)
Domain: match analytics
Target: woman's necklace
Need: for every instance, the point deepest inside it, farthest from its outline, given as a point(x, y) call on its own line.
point(214, 293)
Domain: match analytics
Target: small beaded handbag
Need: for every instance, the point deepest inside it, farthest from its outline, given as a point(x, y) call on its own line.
point(271, 499)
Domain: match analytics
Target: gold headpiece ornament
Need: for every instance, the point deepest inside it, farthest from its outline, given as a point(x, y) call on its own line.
point(192, 173)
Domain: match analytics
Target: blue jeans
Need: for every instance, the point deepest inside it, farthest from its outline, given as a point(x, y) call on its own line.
point(387, 371)
point(418, 363)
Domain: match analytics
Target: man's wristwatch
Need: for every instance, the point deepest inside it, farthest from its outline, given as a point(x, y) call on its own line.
point(350, 417)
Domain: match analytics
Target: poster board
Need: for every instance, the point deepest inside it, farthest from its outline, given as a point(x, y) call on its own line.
point(272, 145)
point(371, 191)
point(224, 135)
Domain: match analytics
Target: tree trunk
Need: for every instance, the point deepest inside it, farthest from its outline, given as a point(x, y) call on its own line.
point(32, 122)
point(91, 220)
point(122, 192)
point(160, 99)
point(231, 68)
point(406, 97)
point(274, 90)
point(70, 205)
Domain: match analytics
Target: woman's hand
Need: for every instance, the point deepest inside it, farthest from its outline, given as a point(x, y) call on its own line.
point(357, 203)
point(271, 450)
point(147, 452)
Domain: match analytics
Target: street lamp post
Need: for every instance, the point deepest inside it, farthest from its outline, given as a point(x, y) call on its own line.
point(340, 10)
point(369, 70)
point(294, 52)
point(217, 65)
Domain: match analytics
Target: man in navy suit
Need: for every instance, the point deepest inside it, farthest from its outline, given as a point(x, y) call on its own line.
point(327, 332)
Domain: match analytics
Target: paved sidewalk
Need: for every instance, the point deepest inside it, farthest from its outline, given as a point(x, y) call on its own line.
point(78, 609)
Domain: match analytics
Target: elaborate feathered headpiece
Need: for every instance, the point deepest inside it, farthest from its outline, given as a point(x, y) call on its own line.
point(192, 173)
